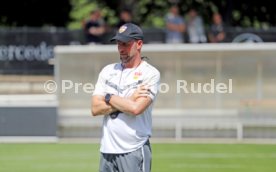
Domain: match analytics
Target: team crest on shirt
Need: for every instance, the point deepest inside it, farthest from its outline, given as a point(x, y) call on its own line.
point(137, 75)
point(122, 28)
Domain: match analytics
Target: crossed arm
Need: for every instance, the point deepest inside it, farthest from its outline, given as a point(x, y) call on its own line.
point(176, 27)
point(134, 105)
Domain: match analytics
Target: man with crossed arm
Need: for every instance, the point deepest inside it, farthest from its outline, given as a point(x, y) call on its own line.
point(124, 94)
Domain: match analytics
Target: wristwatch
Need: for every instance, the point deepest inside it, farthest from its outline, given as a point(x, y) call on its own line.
point(107, 98)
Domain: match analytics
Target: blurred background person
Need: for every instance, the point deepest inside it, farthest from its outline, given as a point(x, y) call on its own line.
point(216, 33)
point(94, 28)
point(125, 17)
point(175, 26)
point(195, 27)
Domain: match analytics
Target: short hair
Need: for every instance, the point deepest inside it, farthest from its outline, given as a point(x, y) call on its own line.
point(127, 10)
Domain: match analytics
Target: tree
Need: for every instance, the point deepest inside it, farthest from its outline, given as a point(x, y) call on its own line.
point(81, 9)
point(149, 13)
point(243, 13)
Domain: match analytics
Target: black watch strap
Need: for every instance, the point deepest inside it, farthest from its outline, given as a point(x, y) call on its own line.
point(114, 115)
point(107, 98)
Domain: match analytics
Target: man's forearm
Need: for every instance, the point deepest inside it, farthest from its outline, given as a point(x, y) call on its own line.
point(99, 107)
point(128, 105)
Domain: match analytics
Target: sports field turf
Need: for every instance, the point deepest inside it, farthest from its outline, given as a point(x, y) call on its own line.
point(166, 158)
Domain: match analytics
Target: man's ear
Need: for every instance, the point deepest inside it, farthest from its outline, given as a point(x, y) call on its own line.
point(139, 43)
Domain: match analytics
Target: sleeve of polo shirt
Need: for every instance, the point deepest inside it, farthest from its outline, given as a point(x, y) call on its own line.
point(100, 85)
point(153, 82)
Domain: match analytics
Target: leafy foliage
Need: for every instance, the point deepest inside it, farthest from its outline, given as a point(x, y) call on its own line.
point(149, 13)
point(82, 8)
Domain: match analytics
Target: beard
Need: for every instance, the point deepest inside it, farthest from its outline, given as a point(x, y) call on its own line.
point(126, 58)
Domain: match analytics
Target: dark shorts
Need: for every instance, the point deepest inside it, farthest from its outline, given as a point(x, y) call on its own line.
point(136, 161)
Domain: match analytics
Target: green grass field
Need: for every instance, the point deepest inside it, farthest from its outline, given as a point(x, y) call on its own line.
point(166, 158)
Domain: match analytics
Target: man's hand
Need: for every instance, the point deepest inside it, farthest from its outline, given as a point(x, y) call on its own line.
point(96, 30)
point(135, 104)
point(141, 91)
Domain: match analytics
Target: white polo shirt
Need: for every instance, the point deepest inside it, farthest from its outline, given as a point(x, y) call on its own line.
point(126, 133)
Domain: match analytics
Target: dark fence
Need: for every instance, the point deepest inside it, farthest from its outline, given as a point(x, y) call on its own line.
point(250, 34)
point(29, 50)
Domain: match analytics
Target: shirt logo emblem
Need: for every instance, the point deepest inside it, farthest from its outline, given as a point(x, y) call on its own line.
point(137, 75)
